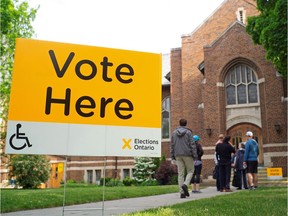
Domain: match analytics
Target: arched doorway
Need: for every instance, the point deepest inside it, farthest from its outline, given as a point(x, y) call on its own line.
point(238, 134)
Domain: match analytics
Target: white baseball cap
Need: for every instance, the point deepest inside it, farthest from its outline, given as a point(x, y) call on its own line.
point(249, 134)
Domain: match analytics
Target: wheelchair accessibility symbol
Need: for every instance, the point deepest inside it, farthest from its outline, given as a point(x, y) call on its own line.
point(15, 138)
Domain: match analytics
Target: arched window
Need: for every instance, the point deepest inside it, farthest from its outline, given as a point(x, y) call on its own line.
point(166, 118)
point(241, 85)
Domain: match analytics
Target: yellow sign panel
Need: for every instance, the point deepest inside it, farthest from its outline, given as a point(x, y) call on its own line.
point(67, 83)
point(271, 172)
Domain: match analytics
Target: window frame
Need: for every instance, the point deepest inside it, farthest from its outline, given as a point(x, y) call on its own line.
point(164, 109)
point(241, 15)
point(126, 171)
point(89, 176)
point(236, 85)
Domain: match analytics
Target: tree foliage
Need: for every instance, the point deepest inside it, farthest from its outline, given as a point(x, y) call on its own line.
point(144, 169)
point(269, 29)
point(16, 19)
point(30, 170)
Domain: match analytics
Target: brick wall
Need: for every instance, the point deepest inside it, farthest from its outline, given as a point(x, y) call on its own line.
point(186, 79)
point(220, 42)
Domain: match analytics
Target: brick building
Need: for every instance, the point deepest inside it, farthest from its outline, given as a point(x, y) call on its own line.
point(222, 83)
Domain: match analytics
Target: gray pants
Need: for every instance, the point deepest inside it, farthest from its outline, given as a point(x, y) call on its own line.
point(184, 162)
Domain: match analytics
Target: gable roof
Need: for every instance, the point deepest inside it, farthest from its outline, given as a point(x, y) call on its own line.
point(205, 20)
point(201, 66)
point(237, 22)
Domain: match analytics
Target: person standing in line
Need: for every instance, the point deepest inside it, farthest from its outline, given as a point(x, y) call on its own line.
point(216, 159)
point(239, 167)
point(251, 160)
point(195, 181)
point(183, 150)
point(224, 151)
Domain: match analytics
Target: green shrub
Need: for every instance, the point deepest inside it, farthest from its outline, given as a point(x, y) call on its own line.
point(111, 182)
point(127, 181)
point(165, 173)
point(114, 183)
point(30, 170)
point(71, 181)
point(173, 180)
point(107, 180)
point(144, 169)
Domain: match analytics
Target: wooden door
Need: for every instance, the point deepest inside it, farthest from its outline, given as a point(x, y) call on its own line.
point(56, 175)
point(238, 134)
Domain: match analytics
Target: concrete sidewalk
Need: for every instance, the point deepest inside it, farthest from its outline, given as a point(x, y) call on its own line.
point(118, 207)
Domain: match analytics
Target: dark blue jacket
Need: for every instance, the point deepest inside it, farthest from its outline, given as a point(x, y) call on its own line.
point(239, 159)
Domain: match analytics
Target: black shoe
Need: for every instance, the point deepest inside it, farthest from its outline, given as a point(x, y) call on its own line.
point(185, 189)
point(182, 196)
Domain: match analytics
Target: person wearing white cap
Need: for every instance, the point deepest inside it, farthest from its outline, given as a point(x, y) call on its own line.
point(251, 160)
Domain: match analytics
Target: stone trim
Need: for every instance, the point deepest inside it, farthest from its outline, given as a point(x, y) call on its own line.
point(208, 156)
point(220, 84)
point(100, 161)
point(209, 148)
point(275, 145)
point(74, 168)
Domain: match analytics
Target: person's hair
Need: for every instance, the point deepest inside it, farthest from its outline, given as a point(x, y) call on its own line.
point(242, 144)
point(221, 136)
point(226, 139)
point(183, 122)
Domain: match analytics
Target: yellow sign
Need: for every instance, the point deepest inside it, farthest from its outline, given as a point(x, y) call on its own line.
point(65, 83)
point(273, 172)
point(69, 99)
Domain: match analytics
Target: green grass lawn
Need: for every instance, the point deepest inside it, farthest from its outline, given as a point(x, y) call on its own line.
point(19, 199)
point(263, 201)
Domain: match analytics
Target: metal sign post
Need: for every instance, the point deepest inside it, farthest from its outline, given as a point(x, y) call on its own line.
point(85, 209)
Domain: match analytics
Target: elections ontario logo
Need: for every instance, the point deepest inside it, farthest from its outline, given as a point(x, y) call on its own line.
point(139, 144)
